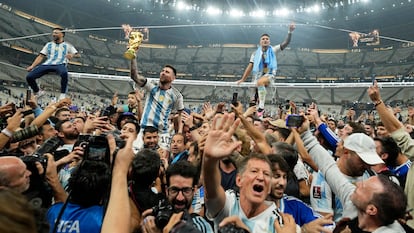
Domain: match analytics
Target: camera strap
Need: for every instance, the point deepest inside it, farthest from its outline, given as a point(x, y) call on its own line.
point(61, 213)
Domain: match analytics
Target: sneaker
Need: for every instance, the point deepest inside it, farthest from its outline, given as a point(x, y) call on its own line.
point(40, 93)
point(62, 96)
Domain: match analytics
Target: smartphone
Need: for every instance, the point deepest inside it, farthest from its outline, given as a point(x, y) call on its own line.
point(104, 113)
point(234, 99)
point(294, 120)
point(27, 112)
point(373, 79)
point(82, 140)
point(28, 95)
point(97, 149)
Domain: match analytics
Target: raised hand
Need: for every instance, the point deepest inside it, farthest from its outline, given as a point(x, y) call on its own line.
point(218, 143)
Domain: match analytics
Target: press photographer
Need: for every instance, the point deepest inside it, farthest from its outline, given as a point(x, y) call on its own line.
point(182, 179)
point(40, 193)
point(88, 188)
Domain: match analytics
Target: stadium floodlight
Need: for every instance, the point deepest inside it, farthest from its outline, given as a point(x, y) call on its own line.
point(181, 5)
point(258, 13)
point(236, 13)
point(283, 12)
point(316, 8)
point(213, 10)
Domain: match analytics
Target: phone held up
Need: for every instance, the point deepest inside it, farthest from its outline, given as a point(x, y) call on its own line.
point(28, 95)
point(294, 120)
point(234, 100)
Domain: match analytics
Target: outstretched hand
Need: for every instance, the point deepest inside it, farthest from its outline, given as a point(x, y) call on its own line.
point(218, 143)
point(373, 92)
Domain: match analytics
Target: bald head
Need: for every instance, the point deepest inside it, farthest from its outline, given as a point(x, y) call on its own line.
point(14, 174)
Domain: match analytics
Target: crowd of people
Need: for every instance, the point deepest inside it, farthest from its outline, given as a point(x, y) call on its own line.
point(153, 166)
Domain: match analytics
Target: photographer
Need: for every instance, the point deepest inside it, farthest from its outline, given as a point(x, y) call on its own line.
point(182, 179)
point(84, 211)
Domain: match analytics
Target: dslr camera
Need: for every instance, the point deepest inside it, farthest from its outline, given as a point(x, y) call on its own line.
point(162, 213)
point(49, 146)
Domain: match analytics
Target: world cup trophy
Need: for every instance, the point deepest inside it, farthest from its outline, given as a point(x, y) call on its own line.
point(135, 40)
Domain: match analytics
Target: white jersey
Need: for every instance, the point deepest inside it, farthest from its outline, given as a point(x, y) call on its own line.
point(158, 106)
point(56, 53)
point(262, 223)
point(270, 73)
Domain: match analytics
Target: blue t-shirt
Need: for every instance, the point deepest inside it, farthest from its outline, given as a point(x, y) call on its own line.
point(301, 212)
point(76, 219)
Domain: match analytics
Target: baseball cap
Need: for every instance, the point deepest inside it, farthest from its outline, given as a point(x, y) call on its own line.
point(364, 146)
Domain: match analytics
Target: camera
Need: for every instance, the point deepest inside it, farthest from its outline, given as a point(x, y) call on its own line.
point(95, 147)
point(294, 120)
point(162, 213)
point(25, 133)
point(49, 146)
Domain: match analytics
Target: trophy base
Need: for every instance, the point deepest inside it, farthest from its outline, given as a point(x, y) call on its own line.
point(130, 54)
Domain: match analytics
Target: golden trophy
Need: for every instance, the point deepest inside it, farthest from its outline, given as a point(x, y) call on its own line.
point(135, 40)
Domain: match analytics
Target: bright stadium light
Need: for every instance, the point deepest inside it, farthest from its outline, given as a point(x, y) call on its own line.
point(316, 8)
point(258, 13)
point(213, 10)
point(181, 5)
point(236, 13)
point(281, 12)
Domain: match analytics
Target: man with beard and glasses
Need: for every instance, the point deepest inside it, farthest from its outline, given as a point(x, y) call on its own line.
point(182, 179)
point(58, 53)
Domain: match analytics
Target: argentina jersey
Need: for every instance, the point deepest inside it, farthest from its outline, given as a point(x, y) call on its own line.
point(56, 53)
point(158, 106)
point(262, 223)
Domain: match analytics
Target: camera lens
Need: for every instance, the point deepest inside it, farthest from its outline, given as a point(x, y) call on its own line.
point(25, 133)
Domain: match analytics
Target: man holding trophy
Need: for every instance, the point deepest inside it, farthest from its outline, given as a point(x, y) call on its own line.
point(161, 99)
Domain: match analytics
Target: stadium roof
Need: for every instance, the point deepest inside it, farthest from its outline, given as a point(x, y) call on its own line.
point(320, 24)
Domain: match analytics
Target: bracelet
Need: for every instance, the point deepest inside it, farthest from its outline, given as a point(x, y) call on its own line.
point(290, 32)
point(7, 132)
point(378, 103)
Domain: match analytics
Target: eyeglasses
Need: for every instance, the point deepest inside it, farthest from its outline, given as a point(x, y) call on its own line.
point(186, 191)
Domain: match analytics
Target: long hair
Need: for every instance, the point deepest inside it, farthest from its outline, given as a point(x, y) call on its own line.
point(16, 213)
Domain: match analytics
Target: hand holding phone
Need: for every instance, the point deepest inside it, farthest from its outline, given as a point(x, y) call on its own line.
point(234, 101)
point(294, 120)
point(28, 96)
